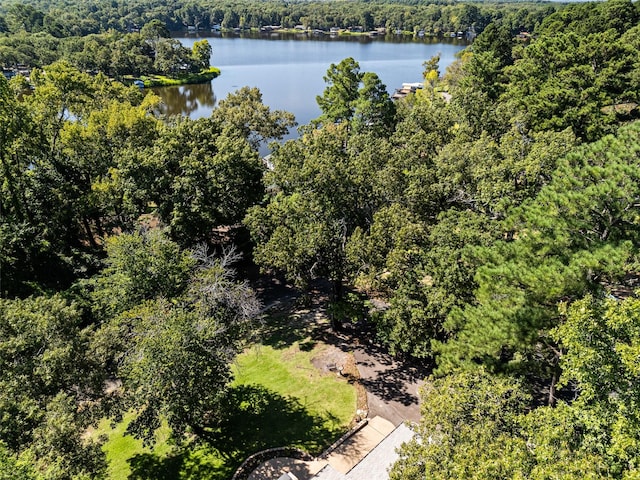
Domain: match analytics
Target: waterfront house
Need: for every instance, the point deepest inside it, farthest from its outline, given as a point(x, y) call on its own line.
point(406, 89)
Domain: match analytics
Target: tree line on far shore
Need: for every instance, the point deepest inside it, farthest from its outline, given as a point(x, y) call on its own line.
point(151, 51)
point(76, 18)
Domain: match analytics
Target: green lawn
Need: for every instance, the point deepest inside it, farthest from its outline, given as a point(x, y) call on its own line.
point(289, 372)
point(319, 407)
point(189, 78)
point(120, 447)
point(165, 81)
point(278, 399)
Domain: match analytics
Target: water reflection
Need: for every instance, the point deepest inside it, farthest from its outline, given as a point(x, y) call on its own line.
point(194, 101)
point(322, 37)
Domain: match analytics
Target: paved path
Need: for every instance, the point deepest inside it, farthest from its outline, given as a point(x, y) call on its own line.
point(392, 387)
point(349, 453)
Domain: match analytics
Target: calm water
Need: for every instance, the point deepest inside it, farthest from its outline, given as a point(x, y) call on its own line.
point(289, 70)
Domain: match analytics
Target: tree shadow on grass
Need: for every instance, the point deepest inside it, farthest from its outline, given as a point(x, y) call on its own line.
point(280, 332)
point(188, 465)
point(284, 330)
point(148, 465)
point(252, 419)
point(255, 418)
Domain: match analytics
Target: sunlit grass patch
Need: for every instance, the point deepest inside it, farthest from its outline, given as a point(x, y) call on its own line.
point(185, 79)
point(290, 373)
point(120, 447)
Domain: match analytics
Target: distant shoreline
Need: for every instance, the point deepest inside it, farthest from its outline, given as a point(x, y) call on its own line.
point(318, 33)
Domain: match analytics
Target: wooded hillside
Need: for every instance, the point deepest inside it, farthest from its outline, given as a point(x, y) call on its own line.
point(494, 215)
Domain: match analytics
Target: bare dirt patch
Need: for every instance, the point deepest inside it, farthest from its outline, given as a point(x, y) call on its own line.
point(342, 363)
point(331, 359)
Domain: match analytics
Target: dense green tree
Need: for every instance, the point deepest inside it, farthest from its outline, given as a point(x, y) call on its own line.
point(601, 341)
point(357, 98)
point(428, 277)
point(243, 114)
point(11, 468)
point(140, 267)
point(582, 19)
point(323, 186)
point(480, 426)
point(468, 429)
point(343, 81)
point(373, 110)
point(201, 52)
point(171, 57)
point(84, 157)
point(131, 55)
point(491, 54)
point(474, 427)
point(154, 30)
point(453, 189)
point(566, 441)
point(489, 176)
point(25, 17)
point(231, 19)
point(192, 14)
point(202, 179)
point(205, 173)
point(377, 253)
point(569, 80)
point(46, 375)
point(576, 236)
point(14, 125)
point(299, 230)
point(434, 19)
point(498, 41)
point(152, 33)
point(173, 353)
point(62, 160)
point(25, 248)
point(97, 155)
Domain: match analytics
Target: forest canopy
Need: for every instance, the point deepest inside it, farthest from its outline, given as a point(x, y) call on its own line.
point(77, 18)
point(491, 216)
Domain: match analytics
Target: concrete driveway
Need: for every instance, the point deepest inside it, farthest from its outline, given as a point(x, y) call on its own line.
point(392, 387)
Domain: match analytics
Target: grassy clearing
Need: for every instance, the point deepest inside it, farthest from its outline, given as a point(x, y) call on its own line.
point(289, 373)
point(186, 79)
point(121, 447)
point(189, 78)
point(309, 408)
point(278, 399)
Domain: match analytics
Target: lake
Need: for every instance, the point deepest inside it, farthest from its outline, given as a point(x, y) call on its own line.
point(289, 69)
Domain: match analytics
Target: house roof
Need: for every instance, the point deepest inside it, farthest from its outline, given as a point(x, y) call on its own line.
point(375, 465)
point(328, 473)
